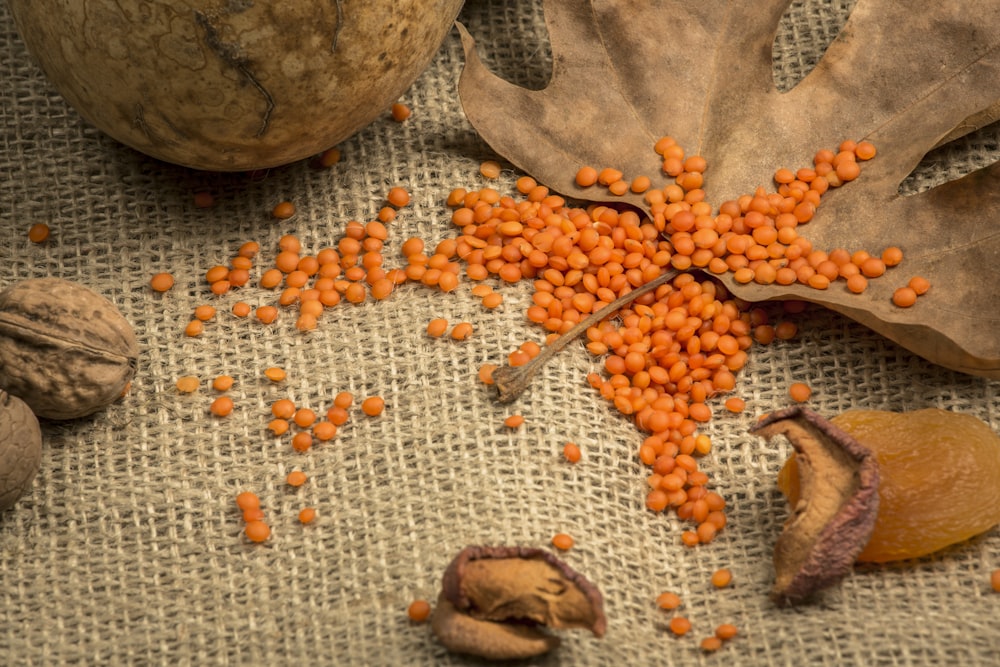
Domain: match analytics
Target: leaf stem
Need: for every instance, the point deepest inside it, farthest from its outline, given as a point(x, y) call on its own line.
point(512, 381)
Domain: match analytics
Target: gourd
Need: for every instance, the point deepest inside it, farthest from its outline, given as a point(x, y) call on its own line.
point(231, 85)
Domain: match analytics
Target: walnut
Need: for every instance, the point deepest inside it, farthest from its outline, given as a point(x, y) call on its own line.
point(20, 448)
point(65, 350)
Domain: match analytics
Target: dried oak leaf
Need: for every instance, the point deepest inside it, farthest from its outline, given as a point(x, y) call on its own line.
point(626, 73)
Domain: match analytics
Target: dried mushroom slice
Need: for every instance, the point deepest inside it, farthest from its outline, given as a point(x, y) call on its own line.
point(496, 600)
point(837, 503)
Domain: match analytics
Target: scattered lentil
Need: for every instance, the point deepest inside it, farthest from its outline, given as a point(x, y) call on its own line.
point(257, 531)
point(563, 541)
point(419, 611)
point(711, 644)
point(187, 384)
point(296, 478)
point(307, 515)
point(722, 577)
point(373, 406)
point(799, 392)
point(513, 421)
point(680, 626)
point(223, 383)
point(275, 374)
point(571, 452)
point(400, 112)
point(283, 210)
point(222, 406)
point(668, 601)
point(726, 631)
point(161, 282)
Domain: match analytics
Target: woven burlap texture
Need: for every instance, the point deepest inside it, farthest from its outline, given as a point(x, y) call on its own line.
point(128, 549)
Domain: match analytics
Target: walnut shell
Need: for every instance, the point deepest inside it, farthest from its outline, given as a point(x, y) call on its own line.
point(20, 448)
point(65, 350)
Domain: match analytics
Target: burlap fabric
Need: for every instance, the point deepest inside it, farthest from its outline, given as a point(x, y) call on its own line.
point(128, 549)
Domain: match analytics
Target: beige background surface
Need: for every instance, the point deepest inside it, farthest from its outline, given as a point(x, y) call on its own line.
point(128, 549)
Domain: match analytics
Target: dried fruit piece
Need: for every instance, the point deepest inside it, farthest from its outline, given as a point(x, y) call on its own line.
point(835, 508)
point(918, 452)
point(494, 599)
point(20, 448)
point(65, 350)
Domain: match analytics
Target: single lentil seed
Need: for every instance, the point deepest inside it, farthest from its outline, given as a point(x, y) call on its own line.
point(400, 112)
point(161, 282)
point(571, 452)
point(257, 531)
point(296, 478)
point(668, 600)
point(461, 331)
point(373, 406)
point(513, 421)
point(563, 541)
point(799, 392)
point(679, 625)
point(222, 383)
point(711, 644)
point(187, 384)
point(275, 374)
point(307, 515)
point(722, 577)
point(222, 406)
point(247, 500)
point(419, 611)
point(283, 210)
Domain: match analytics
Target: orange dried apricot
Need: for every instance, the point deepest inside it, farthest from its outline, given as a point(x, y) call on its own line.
point(921, 455)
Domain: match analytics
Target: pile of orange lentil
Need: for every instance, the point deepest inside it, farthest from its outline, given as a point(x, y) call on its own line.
point(664, 356)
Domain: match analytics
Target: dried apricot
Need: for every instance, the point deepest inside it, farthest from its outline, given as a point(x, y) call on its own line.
point(923, 456)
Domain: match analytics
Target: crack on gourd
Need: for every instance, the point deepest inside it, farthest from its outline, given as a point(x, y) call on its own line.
point(339, 5)
point(230, 55)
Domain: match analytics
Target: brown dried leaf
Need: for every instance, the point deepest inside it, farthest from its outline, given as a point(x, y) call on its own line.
point(626, 73)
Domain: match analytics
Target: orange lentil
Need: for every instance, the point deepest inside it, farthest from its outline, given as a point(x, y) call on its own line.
point(329, 157)
point(995, 580)
point(161, 282)
point(492, 300)
point(679, 625)
point(892, 256)
point(799, 392)
point(275, 374)
point(307, 515)
point(865, 150)
point(461, 331)
point(400, 112)
point(735, 404)
point(904, 297)
point(187, 384)
point(216, 273)
point(247, 500)
point(222, 406)
point(257, 531)
point(324, 431)
point(254, 514)
point(283, 408)
point(710, 644)
point(857, 283)
point(490, 169)
point(337, 416)
point(586, 177)
point(571, 452)
point(485, 373)
point(223, 383)
point(563, 541)
point(241, 309)
point(437, 327)
point(722, 577)
point(373, 406)
point(668, 600)
point(304, 417)
point(296, 478)
point(919, 284)
point(398, 196)
point(267, 314)
point(726, 631)
point(419, 611)
point(278, 427)
point(343, 399)
point(302, 441)
point(513, 421)
point(283, 210)
point(194, 328)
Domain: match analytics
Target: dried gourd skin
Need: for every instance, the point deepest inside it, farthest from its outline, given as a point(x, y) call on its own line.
point(940, 479)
